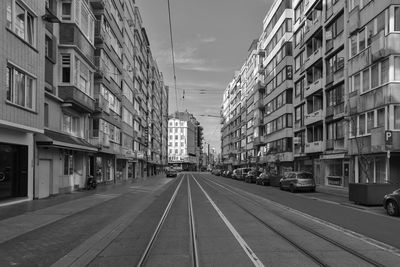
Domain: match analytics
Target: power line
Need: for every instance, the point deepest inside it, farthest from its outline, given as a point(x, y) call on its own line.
point(173, 55)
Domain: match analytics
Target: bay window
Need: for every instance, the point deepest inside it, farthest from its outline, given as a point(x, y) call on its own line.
point(21, 21)
point(21, 88)
point(70, 124)
point(75, 72)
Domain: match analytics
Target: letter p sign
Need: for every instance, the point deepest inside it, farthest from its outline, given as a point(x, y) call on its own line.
point(388, 138)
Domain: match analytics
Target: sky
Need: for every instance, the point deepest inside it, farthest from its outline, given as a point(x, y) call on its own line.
point(211, 40)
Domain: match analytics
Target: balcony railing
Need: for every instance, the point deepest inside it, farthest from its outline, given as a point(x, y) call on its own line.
point(314, 147)
point(313, 117)
point(102, 104)
point(79, 99)
point(313, 87)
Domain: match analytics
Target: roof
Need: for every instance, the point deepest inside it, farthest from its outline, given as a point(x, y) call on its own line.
point(56, 139)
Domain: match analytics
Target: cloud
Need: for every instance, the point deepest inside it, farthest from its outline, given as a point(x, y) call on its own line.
point(209, 40)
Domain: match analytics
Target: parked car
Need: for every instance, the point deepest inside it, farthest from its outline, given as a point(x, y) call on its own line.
point(264, 178)
point(240, 173)
point(228, 174)
point(295, 181)
point(252, 176)
point(391, 203)
point(223, 174)
point(171, 172)
point(216, 172)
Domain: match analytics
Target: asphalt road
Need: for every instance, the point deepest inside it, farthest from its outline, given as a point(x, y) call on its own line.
point(197, 219)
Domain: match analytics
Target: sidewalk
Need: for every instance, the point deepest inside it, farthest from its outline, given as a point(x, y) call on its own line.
point(16, 209)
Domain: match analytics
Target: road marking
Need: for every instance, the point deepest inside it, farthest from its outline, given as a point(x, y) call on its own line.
point(250, 253)
point(368, 240)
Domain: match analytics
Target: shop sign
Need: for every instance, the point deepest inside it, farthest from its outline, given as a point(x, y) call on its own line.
point(337, 181)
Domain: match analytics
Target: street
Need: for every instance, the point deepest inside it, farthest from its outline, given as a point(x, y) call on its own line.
point(196, 219)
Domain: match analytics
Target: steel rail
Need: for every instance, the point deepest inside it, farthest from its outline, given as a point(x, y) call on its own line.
point(299, 225)
point(149, 246)
point(193, 236)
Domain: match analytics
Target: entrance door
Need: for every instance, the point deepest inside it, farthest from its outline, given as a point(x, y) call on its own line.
point(44, 178)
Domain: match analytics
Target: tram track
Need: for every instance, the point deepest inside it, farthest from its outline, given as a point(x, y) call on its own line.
point(159, 228)
point(317, 259)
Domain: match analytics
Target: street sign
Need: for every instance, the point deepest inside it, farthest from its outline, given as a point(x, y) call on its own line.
point(388, 139)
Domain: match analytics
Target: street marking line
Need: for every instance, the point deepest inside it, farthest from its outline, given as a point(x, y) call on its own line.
point(250, 253)
point(368, 240)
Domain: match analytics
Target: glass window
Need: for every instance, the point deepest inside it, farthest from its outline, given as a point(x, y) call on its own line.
point(381, 117)
point(397, 18)
point(385, 71)
point(361, 124)
point(19, 21)
point(353, 45)
point(365, 80)
point(370, 121)
point(397, 117)
point(375, 76)
point(66, 10)
point(380, 22)
point(397, 68)
point(357, 81)
point(361, 40)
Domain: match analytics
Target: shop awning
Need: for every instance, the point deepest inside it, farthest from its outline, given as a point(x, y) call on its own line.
point(56, 139)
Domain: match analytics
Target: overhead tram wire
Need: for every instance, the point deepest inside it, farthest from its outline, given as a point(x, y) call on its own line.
point(173, 55)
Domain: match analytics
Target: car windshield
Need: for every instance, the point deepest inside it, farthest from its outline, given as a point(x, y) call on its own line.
point(304, 175)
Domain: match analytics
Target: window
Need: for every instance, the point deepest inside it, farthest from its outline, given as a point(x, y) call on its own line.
point(397, 68)
point(46, 115)
point(365, 80)
point(385, 71)
point(361, 124)
point(21, 88)
point(70, 124)
point(397, 18)
point(68, 164)
point(66, 68)
point(381, 118)
point(396, 117)
point(370, 121)
point(361, 40)
point(66, 10)
point(375, 76)
point(21, 21)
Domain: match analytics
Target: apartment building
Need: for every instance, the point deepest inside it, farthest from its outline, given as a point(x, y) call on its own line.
point(82, 97)
point(275, 87)
point(373, 103)
point(21, 94)
point(185, 141)
point(320, 143)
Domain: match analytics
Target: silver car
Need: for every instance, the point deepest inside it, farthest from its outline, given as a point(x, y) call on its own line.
point(297, 181)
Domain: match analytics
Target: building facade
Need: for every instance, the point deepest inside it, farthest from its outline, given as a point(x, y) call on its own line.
point(326, 101)
point(184, 141)
point(82, 97)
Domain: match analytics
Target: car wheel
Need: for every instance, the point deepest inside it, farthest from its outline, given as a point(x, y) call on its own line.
point(292, 189)
point(392, 208)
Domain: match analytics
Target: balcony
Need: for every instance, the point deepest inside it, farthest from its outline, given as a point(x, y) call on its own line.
point(98, 4)
point(313, 117)
point(260, 87)
point(338, 110)
point(314, 57)
point(100, 35)
point(313, 87)
point(312, 27)
point(335, 144)
point(299, 150)
point(260, 104)
point(72, 36)
point(329, 111)
point(298, 124)
point(79, 100)
point(102, 104)
point(314, 147)
point(259, 140)
point(383, 46)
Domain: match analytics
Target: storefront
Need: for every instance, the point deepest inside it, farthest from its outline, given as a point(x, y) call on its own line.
point(13, 171)
point(336, 170)
point(63, 163)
